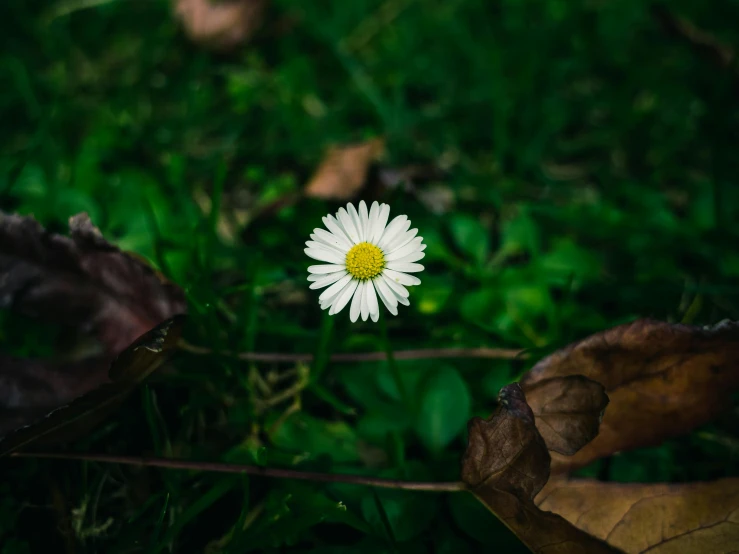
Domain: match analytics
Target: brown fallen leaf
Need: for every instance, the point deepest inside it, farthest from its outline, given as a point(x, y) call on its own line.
point(81, 282)
point(696, 518)
point(662, 380)
point(506, 464)
point(343, 171)
point(220, 24)
point(568, 411)
point(128, 370)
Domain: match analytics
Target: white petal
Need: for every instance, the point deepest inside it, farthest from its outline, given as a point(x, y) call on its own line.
point(398, 289)
point(401, 278)
point(348, 226)
point(381, 222)
point(412, 257)
point(404, 301)
point(326, 280)
point(321, 246)
point(374, 215)
point(374, 307)
point(316, 242)
point(364, 220)
point(375, 316)
point(355, 220)
point(334, 289)
point(325, 268)
point(386, 295)
point(333, 225)
point(343, 297)
point(398, 253)
point(338, 241)
point(397, 225)
point(325, 255)
point(402, 240)
point(363, 302)
point(356, 303)
point(405, 267)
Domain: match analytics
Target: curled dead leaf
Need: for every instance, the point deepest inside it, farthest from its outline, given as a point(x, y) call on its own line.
point(568, 411)
point(506, 464)
point(343, 171)
point(662, 380)
point(83, 283)
point(695, 518)
point(222, 24)
point(506, 452)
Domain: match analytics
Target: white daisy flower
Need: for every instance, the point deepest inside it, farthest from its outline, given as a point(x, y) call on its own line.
point(366, 257)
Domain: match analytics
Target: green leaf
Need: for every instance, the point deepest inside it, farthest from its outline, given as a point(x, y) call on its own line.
point(408, 513)
point(566, 261)
point(445, 407)
point(470, 236)
point(128, 370)
point(519, 235)
point(316, 437)
point(433, 295)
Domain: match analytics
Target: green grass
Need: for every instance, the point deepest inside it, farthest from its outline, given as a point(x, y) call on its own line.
point(592, 158)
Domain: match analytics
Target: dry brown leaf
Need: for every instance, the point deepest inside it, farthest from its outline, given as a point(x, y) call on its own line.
point(81, 282)
point(568, 411)
point(220, 25)
point(343, 171)
point(662, 380)
point(697, 518)
point(506, 464)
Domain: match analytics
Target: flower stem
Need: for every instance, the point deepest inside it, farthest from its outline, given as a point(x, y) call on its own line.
point(323, 350)
point(170, 463)
point(394, 369)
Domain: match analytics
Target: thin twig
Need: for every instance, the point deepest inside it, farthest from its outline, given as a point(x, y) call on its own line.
point(423, 354)
point(701, 40)
point(452, 486)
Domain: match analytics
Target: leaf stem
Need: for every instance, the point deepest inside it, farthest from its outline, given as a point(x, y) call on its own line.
point(420, 354)
point(169, 463)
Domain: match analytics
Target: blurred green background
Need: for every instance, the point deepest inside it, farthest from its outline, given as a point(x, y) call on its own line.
point(590, 165)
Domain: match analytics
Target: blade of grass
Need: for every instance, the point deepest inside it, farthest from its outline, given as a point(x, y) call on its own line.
point(389, 535)
point(327, 396)
point(158, 528)
point(215, 493)
point(215, 210)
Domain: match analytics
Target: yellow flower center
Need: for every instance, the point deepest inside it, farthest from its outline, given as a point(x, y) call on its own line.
point(364, 261)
